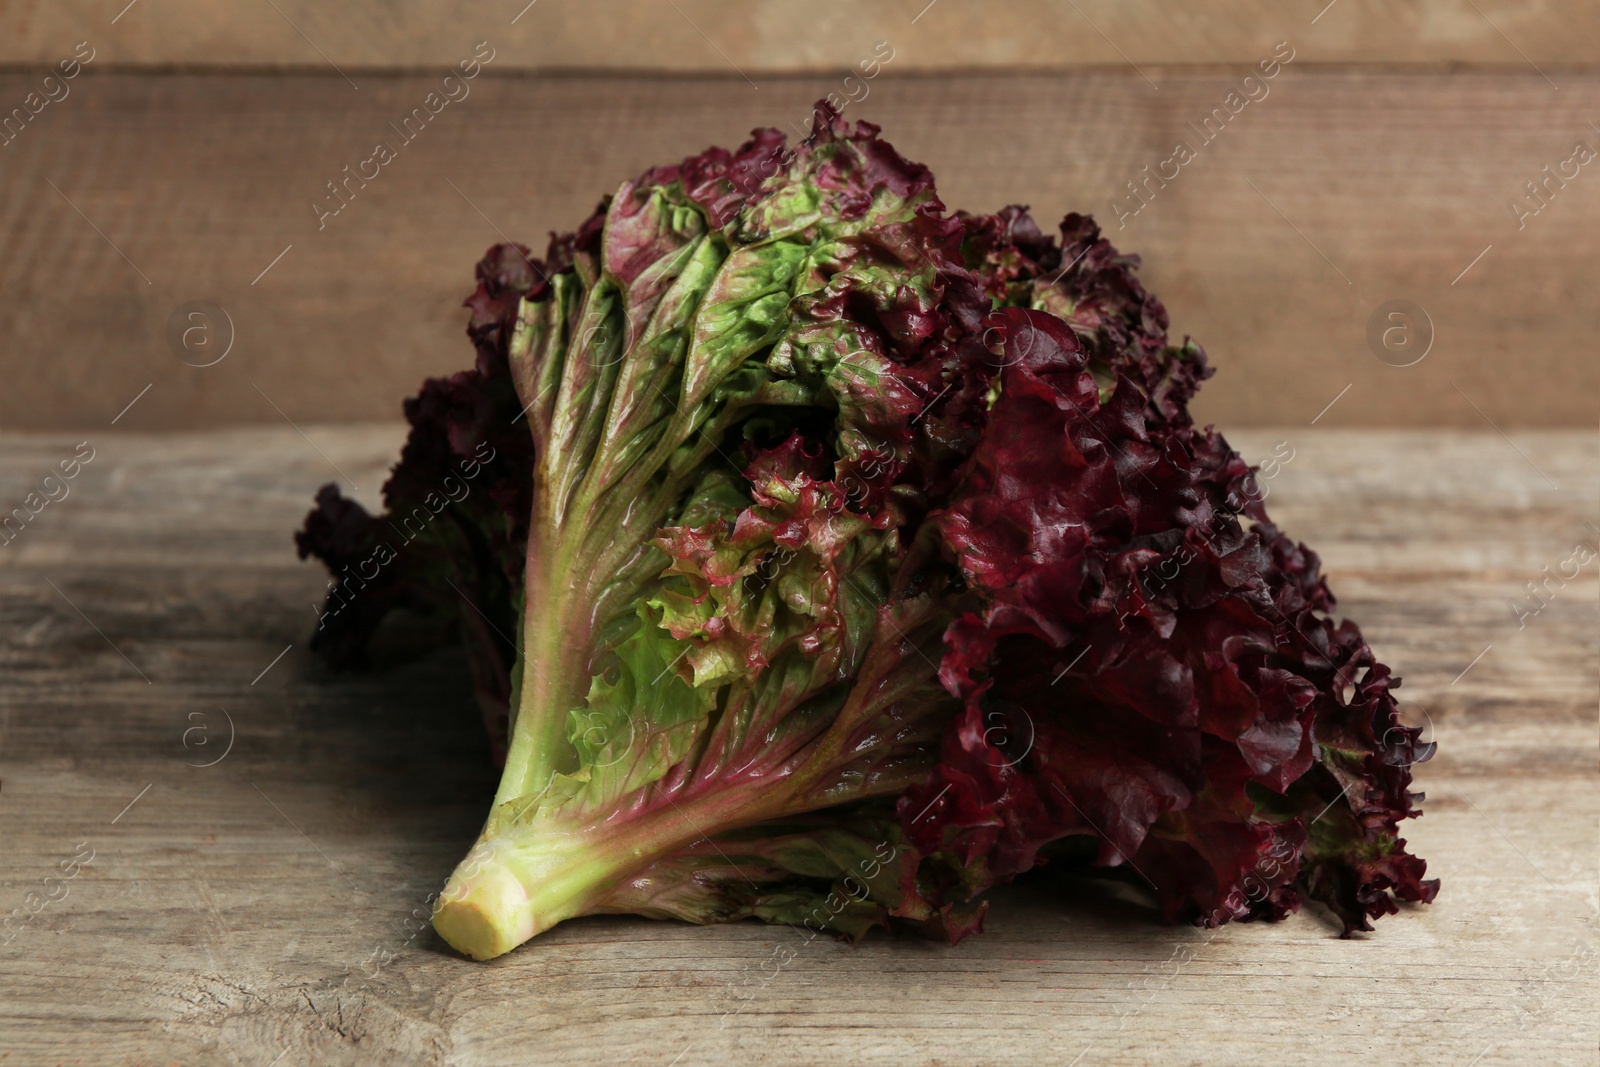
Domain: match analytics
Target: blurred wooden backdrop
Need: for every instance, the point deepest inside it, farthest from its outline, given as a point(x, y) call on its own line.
point(181, 162)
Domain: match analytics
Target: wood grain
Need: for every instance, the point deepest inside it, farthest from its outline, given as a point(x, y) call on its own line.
point(1339, 191)
point(716, 36)
point(224, 910)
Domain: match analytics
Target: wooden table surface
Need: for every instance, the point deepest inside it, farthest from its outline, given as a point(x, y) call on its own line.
point(156, 619)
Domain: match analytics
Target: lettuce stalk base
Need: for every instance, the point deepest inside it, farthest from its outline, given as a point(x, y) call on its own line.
point(521, 879)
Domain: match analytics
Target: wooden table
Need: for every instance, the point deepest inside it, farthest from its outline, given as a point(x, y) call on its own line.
point(239, 913)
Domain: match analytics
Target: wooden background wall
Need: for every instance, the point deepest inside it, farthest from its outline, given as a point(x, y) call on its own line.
point(183, 161)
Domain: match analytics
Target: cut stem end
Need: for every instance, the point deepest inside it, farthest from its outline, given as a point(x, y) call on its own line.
point(485, 914)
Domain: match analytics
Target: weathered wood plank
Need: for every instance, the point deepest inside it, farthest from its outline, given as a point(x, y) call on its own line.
point(712, 36)
point(1339, 191)
point(224, 910)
